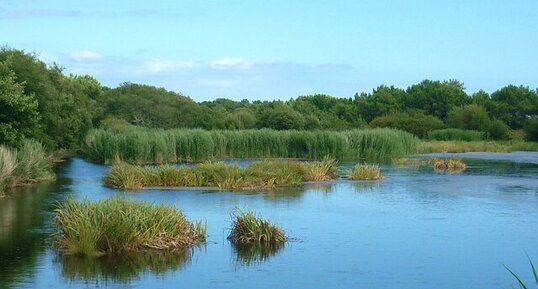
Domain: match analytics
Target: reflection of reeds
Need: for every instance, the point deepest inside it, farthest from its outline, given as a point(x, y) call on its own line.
point(247, 228)
point(118, 225)
point(122, 268)
point(365, 172)
point(255, 253)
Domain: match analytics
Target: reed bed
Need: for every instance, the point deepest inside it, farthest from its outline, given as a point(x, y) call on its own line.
point(116, 225)
point(365, 172)
point(475, 146)
point(265, 174)
point(155, 146)
point(247, 228)
point(26, 165)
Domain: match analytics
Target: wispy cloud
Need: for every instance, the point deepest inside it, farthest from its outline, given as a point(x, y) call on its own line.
point(38, 13)
point(85, 55)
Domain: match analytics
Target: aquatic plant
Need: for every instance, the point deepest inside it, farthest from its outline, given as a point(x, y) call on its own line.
point(450, 165)
point(26, 165)
point(157, 146)
point(323, 170)
point(247, 228)
point(475, 146)
point(117, 225)
point(264, 174)
point(365, 172)
point(519, 280)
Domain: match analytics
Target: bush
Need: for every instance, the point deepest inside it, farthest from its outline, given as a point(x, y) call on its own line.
point(498, 130)
point(456, 134)
point(531, 129)
point(417, 124)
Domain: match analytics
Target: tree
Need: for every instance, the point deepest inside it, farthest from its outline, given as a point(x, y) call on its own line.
point(435, 97)
point(514, 105)
point(19, 118)
point(383, 100)
point(472, 116)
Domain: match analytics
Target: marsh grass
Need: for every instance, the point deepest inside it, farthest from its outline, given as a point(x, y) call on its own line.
point(155, 146)
point(247, 228)
point(27, 165)
point(475, 146)
point(116, 225)
point(365, 172)
point(266, 174)
point(449, 165)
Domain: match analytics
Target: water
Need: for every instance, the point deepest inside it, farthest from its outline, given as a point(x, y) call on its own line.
point(414, 229)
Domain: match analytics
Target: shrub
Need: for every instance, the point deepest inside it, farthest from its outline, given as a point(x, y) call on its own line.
point(417, 124)
point(456, 134)
point(498, 130)
point(531, 129)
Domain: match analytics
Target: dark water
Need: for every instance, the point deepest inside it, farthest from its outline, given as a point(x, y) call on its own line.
point(414, 229)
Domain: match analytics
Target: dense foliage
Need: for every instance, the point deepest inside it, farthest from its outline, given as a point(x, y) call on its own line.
point(39, 101)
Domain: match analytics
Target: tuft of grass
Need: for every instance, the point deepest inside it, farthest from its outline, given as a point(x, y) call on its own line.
point(266, 174)
point(116, 225)
point(23, 166)
point(323, 170)
point(365, 172)
point(247, 228)
point(450, 165)
point(156, 146)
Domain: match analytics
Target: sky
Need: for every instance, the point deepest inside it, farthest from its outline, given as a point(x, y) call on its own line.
point(280, 49)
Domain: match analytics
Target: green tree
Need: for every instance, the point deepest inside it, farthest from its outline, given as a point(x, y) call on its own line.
point(435, 97)
point(383, 100)
point(514, 105)
point(471, 116)
point(19, 118)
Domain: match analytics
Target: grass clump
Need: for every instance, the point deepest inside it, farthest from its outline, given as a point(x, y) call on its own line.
point(156, 146)
point(364, 172)
point(323, 170)
point(116, 225)
point(247, 228)
point(450, 165)
point(27, 165)
point(265, 174)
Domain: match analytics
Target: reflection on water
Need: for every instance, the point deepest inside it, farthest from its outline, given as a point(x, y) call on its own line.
point(122, 268)
point(251, 254)
point(434, 231)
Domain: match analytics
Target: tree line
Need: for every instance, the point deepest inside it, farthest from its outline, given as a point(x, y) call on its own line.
point(39, 101)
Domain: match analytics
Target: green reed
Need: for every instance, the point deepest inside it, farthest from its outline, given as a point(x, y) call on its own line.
point(116, 225)
point(247, 228)
point(157, 146)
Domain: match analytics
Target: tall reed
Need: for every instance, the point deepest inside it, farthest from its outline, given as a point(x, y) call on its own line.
point(156, 146)
point(118, 225)
point(29, 164)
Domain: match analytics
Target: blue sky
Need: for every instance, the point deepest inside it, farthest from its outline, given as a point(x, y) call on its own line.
point(281, 49)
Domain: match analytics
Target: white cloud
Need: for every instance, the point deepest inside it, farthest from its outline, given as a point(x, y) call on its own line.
point(85, 55)
point(230, 63)
point(158, 66)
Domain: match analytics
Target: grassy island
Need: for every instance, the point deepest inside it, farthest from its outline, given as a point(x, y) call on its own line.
point(116, 225)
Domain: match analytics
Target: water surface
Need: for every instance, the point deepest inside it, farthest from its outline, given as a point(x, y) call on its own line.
point(414, 229)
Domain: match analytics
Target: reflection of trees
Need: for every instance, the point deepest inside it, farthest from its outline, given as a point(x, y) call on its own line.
point(21, 213)
point(122, 268)
point(255, 253)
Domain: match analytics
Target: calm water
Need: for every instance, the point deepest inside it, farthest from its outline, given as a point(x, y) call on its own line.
point(415, 229)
